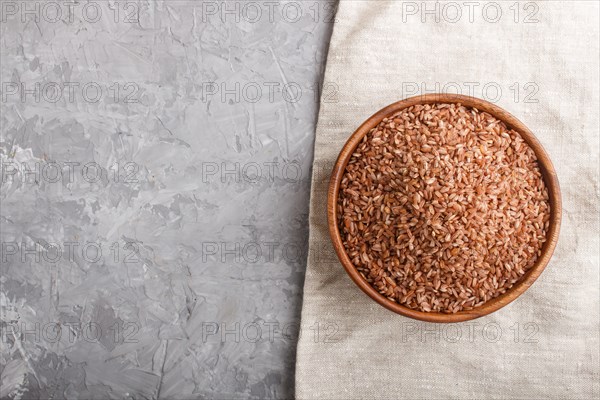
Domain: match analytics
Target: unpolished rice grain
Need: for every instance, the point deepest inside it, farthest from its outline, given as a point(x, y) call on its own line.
point(442, 208)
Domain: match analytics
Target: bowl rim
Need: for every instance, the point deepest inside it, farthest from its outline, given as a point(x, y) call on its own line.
point(548, 174)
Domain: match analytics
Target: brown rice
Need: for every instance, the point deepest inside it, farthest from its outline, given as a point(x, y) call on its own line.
point(442, 208)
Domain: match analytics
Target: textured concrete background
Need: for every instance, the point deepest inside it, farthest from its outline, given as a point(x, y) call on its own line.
point(154, 197)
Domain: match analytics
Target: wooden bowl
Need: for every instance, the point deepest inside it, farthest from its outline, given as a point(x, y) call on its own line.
point(546, 168)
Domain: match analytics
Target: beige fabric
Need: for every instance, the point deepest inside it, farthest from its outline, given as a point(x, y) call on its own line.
point(549, 341)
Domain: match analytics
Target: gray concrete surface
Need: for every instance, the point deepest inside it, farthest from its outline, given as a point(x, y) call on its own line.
point(155, 180)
